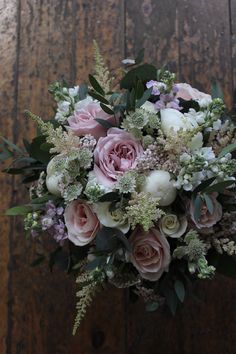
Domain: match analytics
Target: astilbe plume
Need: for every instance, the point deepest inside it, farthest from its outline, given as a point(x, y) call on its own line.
point(102, 73)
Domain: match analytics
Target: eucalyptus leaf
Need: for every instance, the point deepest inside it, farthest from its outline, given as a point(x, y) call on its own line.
point(106, 109)
point(152, 306)
point(227, 149)
point(109, 197)
point(219, 187)
point(11, 145)
point(180, 290)
point(83, 90)
point(98, 97)
point(197, 207)
point(203, 185)
point(209, 203)
point(19, 210)
point(144, 98)
point(104, 123)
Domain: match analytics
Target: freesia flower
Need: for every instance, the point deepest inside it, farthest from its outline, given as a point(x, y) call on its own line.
point(150, 253)
point(81, 222)
point(160, 185)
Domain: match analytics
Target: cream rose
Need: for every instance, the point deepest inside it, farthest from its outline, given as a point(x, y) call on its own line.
point(160, 185)
point(109, 218)
point(173, 226)
point(150, 253)
point(81, 222)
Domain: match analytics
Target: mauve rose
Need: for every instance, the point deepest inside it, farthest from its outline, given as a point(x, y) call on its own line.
point(114, 155)
point(207, 219)
point(150, 253)
point(187, 92)
point(83, 121)
point(81, 222)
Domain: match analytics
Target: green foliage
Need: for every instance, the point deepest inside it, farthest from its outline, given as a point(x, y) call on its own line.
point(227, 149)
point(19, 210)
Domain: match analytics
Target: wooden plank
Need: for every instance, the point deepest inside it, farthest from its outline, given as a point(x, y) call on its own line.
point(196, 328)
point(152, 25)
point(233, 45)
point(8, 76)
point(53, 43)
point(204, 38)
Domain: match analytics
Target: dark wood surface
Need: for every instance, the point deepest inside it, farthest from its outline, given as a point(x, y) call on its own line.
point(45, 40)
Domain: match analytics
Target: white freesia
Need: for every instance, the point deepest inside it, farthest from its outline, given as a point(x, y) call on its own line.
point(113, 218)
point(53, 178)
point(160, 185)
point(173, 226)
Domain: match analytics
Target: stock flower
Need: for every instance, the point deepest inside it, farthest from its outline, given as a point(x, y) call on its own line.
point(173, 226)
point(83, 121)
point(206, 218)
point(81, 222)
point(187, 92)
point(114, 155)
point(160, 185)
point(111, 218)
point(150, 253)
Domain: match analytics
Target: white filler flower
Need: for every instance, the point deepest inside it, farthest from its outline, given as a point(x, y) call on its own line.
point(53, 177)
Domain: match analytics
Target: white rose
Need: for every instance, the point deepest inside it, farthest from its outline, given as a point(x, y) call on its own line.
point(109, 218)
point(53, 177)
point(149, 107)
point(160, 185)
point(173, 226)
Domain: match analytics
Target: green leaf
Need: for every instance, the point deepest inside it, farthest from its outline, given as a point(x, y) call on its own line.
point(151, 306)
point(106, 109)
point(109, 197)
point(144, 98)
point(96, 263)
point(19, 210)
point(83, 91)
point(104, 123)
point(216, 91)
point(219, 187)
point(209, 203)
point(226, 150)
point(11, 145)
point(143, 72)
point(5, 154)
point(180, 290)
point(94, 83)
point(98, 97)
point(203, 185)
point(140, 56)
point(44, 199)
point(139, 89)
point(36, 152)
point(171, 300)
point(108, 239)
point(197, 207)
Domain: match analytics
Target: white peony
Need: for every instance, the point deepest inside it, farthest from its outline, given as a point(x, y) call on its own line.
point(173, 226)
point(109, 218)
point(160, 185)
point(53, 177)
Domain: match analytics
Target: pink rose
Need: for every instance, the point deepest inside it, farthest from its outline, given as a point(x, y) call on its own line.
point(207, 219)
point(81, 222)
point(187, 92)
point(150, 253)
point(83, 121)
point(114, 155)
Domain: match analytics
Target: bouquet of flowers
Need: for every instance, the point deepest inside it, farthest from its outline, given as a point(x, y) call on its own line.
point(134, 179)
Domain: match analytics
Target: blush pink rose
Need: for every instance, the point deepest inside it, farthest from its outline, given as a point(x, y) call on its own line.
point(207, 219)
point(150, 253)
point(81, 222)
point(114, 155)
point(187, 92)
point(83, 121)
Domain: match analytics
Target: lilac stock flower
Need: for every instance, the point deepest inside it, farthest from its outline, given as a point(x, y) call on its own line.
point(157, 87)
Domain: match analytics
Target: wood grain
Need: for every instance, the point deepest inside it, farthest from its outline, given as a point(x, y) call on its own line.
point(43, 41)
point(204, 45)
point(8, 93)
